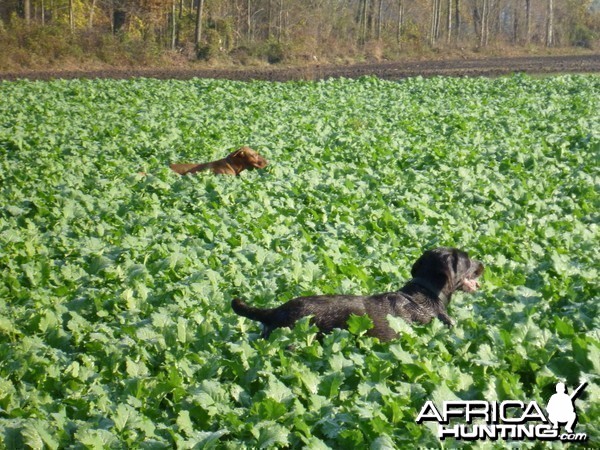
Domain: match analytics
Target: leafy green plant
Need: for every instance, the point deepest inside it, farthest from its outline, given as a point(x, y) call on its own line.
point(115, 325)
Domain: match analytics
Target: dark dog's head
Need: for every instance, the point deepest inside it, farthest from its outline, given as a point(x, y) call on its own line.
point(247, 158)
point(449, 269)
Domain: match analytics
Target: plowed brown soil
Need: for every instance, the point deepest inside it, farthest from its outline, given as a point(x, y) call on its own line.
point(386, 70)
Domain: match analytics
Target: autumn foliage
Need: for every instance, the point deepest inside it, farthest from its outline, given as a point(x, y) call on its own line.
point(153, 32)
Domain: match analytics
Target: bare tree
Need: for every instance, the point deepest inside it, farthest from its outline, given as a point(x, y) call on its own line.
point(449, 22)
point(27, 11)
point(91, 16)
point(515, 22)
point(363, 21)
point(269, 18)
point(436, 12)
point(457, 18)
point(481, 21)
point(367, 19)
point(179, 20)
point(198, 33)
point(379, 19)
point(550, 24)
point(527, 21)
point(248, 19)
point(281, 29)
point(173, 25)
point(71, 17)
point(400, 22)
point(484, 24)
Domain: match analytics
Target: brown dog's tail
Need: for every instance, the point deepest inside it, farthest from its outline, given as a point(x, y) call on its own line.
point(259, 314)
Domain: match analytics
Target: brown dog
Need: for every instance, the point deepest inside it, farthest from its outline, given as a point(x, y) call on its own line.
point(243, 158)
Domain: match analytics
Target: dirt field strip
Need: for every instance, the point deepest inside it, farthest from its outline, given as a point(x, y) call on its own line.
point(386, 70)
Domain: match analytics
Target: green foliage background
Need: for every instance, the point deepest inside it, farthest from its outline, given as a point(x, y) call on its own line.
point(115, 324)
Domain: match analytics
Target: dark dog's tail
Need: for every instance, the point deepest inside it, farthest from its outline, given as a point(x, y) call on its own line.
point(259, 314)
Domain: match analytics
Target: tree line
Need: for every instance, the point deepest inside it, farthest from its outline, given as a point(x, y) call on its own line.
point(312, 29)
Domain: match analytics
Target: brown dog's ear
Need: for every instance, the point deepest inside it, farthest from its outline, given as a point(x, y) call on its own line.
point(240, 152)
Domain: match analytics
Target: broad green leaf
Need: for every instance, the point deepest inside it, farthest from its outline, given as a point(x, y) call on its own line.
point(184, 423)
point(359, 325)
point(269, 434)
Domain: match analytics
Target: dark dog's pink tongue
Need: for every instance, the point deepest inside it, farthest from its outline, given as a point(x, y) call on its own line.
point(470, 285)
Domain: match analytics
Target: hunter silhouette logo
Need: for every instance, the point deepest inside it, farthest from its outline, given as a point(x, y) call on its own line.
point(561, 407)
point(510, 419)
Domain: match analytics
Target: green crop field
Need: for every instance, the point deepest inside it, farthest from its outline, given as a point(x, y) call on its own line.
point(116, 330)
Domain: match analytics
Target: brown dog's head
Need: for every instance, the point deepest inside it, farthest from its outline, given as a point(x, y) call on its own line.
point(449, 269)
point(247, 158)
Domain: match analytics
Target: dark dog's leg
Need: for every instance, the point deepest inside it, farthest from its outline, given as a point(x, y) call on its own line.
point(444, 317)
point(266, 331)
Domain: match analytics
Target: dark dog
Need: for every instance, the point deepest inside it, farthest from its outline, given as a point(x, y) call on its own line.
point(243, 158)
point(436, 275)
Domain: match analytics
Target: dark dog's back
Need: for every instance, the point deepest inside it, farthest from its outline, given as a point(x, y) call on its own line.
point(328, 311)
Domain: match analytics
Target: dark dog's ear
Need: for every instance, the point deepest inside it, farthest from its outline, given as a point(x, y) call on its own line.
point(462, 263)
point(426, 262)
point(445, 275)
point(417, 266)
point(453, 259)
point(436, 266)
